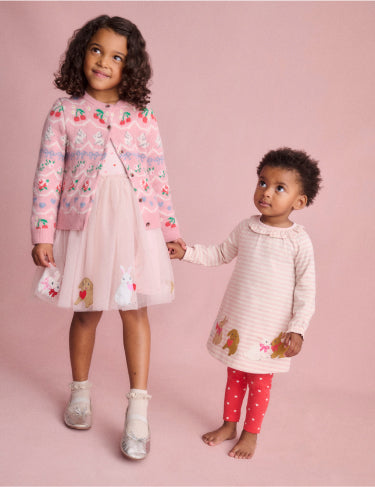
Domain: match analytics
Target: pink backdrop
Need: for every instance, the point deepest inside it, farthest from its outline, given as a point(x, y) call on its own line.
point(231, 81)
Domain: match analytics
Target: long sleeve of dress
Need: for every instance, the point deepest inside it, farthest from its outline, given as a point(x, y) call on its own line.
point(304, 291)
point(214, 255)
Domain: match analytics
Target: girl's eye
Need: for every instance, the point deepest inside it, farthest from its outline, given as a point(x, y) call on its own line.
point(280, 188)
point(95, 50)
point(118, 59)
point(262, 184)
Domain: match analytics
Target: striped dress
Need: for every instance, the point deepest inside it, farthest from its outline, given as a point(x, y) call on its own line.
point(271, 291)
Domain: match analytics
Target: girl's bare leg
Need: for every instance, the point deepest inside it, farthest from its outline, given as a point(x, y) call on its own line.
point(137, 346)
point(81, 342)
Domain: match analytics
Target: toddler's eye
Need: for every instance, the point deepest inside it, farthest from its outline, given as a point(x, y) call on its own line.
point(280, 188)
point(262, 184)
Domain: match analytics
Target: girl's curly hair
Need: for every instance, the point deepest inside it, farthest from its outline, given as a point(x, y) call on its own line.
point(296, 160)
point(136, 72)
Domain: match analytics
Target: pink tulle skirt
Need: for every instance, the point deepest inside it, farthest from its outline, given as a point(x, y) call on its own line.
point(114, 263)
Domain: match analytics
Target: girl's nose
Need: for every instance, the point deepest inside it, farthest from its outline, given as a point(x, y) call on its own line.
point(102, 61)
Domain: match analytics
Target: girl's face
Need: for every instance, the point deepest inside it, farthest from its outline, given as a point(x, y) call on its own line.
point(103, 65)
point(277, 194)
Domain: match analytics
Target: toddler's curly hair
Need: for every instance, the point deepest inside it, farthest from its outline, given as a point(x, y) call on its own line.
point(296, 160)
point(137, 70)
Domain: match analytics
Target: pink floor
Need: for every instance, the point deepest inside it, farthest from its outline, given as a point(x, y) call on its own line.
point(312, 435)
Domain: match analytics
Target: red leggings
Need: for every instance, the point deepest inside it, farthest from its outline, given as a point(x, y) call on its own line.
point(257, 403)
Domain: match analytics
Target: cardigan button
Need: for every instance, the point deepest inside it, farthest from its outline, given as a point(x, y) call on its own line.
point(108, 106)
point(108, 127)
point(140, 200)
point(147, 224)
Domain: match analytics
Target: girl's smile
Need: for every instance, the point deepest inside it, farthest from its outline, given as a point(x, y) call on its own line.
point(103, 65)
point(99, 74)
point(277, 194)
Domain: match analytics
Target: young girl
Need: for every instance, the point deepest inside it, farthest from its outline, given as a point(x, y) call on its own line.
point(102, 210)
point(270, 297)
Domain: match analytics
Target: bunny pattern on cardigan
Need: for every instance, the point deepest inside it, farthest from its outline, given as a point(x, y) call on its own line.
point(74, 138)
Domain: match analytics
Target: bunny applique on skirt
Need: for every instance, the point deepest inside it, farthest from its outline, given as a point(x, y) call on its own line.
point(114, 262)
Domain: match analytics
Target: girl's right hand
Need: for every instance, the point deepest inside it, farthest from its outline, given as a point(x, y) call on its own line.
point(42, 254)
point(176, 251)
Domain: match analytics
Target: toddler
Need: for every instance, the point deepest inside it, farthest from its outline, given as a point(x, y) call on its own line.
point(270, 297)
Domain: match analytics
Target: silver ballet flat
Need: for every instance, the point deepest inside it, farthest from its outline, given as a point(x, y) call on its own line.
point(77, 415)
point(133, 447)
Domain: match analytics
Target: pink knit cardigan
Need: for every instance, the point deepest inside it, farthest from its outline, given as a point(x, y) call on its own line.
point(74, 138)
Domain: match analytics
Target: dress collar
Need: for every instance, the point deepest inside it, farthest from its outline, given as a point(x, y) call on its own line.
point(277, 232)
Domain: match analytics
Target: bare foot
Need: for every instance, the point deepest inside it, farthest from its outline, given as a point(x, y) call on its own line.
point(245, 447)
point(226, 432)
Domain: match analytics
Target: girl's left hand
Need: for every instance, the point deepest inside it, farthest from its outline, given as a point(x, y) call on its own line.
point(294, 343)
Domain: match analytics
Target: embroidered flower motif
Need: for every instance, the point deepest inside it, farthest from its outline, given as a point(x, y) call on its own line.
point(145, 184)
point(42, 184)
point(86, 186)
point(72, 186)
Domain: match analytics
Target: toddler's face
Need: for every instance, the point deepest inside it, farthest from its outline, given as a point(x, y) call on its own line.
point(277, 194)
point(103, 65)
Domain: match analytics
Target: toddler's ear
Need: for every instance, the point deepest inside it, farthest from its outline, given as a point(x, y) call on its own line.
point(300, 202)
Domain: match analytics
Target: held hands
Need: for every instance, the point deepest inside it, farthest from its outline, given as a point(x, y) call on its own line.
point(176, 249)
point(294, 343)
point(42, 254)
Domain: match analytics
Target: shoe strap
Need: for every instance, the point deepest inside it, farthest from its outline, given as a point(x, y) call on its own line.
point(131, 417)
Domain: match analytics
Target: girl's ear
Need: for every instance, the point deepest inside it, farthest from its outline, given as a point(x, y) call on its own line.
point(300, 202)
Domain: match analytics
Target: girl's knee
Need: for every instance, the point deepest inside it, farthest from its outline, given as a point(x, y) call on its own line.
point(87, 318)
point(134, 315)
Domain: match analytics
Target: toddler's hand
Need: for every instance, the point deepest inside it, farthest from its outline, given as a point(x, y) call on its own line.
point(176, 250)
point(294, 343)
point(42, 254)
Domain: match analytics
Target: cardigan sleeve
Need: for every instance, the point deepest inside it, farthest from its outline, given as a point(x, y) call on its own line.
point(159, 181)
point(214, 255)
point(48, 178)
point(304, 291)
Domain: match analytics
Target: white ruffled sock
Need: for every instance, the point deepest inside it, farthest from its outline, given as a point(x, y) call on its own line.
point(136, 421)
point(80, 395)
